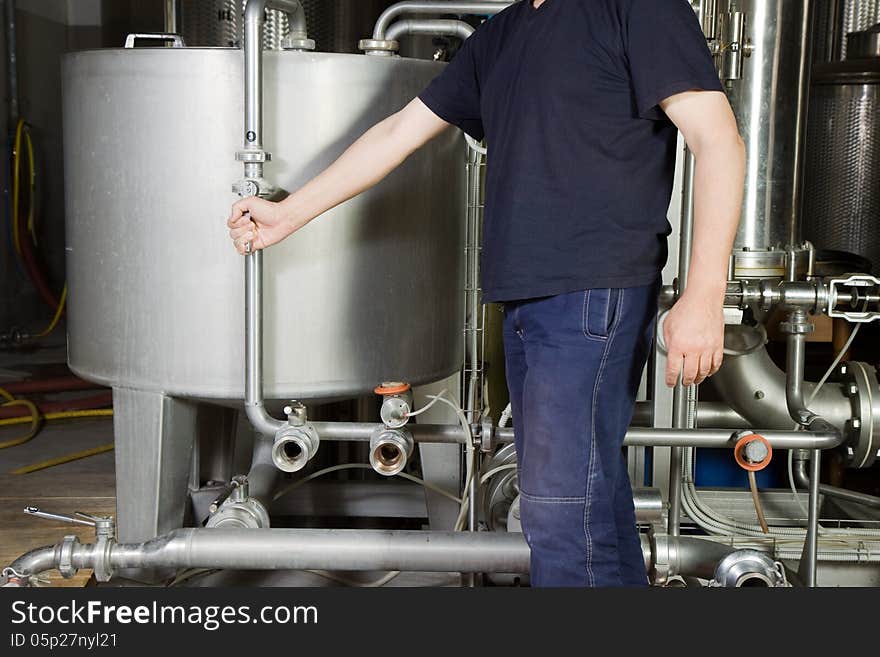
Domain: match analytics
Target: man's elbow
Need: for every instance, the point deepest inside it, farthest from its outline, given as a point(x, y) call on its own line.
point(725, 142)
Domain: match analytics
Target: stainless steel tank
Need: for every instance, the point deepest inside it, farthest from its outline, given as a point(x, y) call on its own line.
point(769, 103)
point(371, 291)
point(335, 25)
point(842, 192)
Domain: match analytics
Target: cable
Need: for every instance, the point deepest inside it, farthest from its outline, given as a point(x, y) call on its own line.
point(494, 471)
point(469, 446)
point(63, 415)
point(58, 312)
point(759, 509)
point(61, 460)
point(428, 405)
point(362, 466)
point(506, 416)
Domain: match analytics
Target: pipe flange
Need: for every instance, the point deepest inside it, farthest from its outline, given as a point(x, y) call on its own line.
point(65, 557)
point(863, 429)
point(383, 47)
point(664, 559)
point(253, 156)
point(247, 514)
point(297, 43)
point(294, 447)
point(102, 567)
point(749, 568)
point(796, 327)
point(390, 450)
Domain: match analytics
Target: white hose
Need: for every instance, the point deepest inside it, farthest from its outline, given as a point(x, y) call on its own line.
point(506, 416)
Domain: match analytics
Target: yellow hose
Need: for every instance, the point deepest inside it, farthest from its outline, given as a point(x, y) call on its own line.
point(16, 183)
point(32, 186)
point(34, 418)
point(61, 460)
point(58, 312)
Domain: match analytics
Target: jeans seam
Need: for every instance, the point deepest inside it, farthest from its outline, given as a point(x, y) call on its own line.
point(550, 499)
point(590, 470)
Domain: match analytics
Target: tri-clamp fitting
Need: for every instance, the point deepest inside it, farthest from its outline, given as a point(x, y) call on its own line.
point(234, 507)
point(297, 442)
point(390, 449)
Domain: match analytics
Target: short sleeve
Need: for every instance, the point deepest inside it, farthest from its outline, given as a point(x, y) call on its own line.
point(667, 54)
point(454, 95)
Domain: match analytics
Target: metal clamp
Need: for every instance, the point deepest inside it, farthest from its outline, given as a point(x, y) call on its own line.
point(175, 39)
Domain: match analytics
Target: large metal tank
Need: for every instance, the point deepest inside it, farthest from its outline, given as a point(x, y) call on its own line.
point(769, 102)
point(842, 193)
point(335, 25)
point(370, 292)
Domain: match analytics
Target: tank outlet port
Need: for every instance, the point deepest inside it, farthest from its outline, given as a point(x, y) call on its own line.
point(294, 447)
point(390, 449)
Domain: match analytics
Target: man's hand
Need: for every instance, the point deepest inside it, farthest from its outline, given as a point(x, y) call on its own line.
point(694, 335)
point(259, 222)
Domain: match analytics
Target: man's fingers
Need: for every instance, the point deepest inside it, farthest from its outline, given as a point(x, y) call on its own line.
point(717, 360)
point(673, 368)
point(239, 232)
point(704, 371)
point(691, 369)
point(240, 210)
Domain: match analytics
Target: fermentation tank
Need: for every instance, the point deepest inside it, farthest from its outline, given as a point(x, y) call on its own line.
point(842, 203)
point(768, 94)
point(369, 292)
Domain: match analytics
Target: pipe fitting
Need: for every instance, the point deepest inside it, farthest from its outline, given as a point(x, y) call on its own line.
point(294, 447)
point(749, 568)
point(390, 450)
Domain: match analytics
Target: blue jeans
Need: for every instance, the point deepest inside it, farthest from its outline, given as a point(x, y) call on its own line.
point(574, 362)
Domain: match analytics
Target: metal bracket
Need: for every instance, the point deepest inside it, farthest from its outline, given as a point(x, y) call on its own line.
point(175, 39)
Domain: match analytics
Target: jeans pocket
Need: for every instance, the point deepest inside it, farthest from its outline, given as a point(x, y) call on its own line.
point(601, 308)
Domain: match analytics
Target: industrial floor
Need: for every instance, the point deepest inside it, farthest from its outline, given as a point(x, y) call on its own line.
point(88, 485)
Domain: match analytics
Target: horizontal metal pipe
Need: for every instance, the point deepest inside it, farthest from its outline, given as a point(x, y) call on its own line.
point(636, 436)
point(331, 549)
point(716, 415)
point(431, 27)
point(434, 7)
point(716, 438)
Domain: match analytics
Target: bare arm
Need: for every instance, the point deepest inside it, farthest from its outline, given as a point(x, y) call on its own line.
point(370, 159)
point(694, 328)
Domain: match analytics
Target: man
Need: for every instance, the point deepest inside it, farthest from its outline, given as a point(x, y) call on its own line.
point(579, 101)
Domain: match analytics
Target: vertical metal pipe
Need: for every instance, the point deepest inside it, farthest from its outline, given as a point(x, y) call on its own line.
point(682, 396)
point(170, 16)
point(254, 15)
point(12, 62)
point(810, 555)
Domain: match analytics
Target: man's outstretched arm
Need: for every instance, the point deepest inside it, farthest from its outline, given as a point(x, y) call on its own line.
point(371, 158)
point(694, 328)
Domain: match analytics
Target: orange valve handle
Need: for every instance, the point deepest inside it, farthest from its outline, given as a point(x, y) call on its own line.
point(745, 464)
point(391, 389)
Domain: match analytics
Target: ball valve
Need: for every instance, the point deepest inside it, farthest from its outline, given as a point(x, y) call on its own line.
point(296, 443)
point(390, 449)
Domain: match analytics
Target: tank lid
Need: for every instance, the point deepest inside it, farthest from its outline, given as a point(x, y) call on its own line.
point(864, 44)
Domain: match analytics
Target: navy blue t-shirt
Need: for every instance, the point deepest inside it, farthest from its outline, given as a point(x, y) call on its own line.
point(581, 157)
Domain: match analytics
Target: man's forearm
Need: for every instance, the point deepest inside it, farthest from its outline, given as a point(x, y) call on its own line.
point(365, 163)
point(718, 185)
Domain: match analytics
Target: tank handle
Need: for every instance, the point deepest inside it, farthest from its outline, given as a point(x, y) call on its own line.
point(175, 39)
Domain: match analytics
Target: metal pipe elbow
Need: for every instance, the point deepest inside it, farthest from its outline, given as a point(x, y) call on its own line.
point(296, 15)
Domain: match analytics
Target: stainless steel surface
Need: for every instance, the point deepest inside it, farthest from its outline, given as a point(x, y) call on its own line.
point(864, 44)
point(809, 557)
point(219, 23)
point(433, 27)
point(171, 15)
point(376, 283)
point(755, 388)
point(769, 103)
point(433, 7)
point(857, 16)
point(802, 479)
point(842, 194)
point(302, 549)
point(749, 568)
